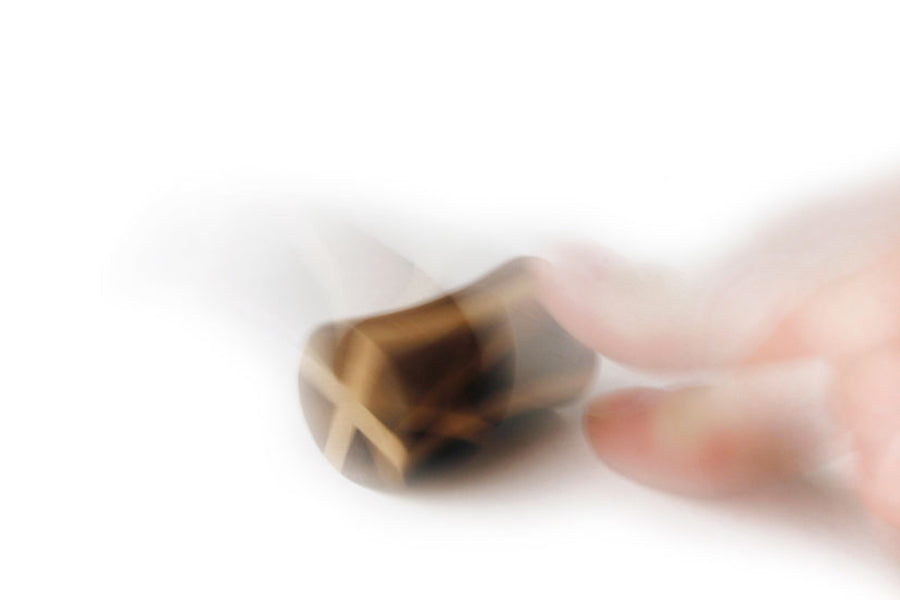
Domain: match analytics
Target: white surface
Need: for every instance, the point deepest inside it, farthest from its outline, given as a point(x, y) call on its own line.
point(151, 443)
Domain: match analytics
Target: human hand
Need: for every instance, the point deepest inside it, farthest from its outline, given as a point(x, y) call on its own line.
point(799, 329)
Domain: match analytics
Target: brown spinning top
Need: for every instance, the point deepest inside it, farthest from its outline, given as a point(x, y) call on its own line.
point(385, 394)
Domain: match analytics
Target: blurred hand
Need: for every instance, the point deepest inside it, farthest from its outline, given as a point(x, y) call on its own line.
point(801, 327)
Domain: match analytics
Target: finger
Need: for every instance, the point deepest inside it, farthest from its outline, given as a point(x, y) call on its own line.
point(649, 317)
point(761, 305)
point(745, 431)
point(845, 318)
point(636, 314)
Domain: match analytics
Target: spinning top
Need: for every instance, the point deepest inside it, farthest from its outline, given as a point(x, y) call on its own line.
point(385, 394)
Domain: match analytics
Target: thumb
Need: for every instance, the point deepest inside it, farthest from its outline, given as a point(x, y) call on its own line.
point(751, 428)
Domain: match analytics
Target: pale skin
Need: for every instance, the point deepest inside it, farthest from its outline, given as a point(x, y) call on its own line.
point(797, 337)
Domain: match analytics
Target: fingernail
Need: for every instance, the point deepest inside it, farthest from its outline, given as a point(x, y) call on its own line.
point(683, 421)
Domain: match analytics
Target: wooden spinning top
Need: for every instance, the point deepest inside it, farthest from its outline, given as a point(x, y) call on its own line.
point(384, 394)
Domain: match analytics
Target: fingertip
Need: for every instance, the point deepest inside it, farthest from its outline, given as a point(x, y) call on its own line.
point(616, 424)
point(638, 433)
point(685, 441)
point(637, 315)
point(572, 291)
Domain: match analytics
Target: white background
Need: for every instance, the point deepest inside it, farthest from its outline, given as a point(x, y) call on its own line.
point(151, 443)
